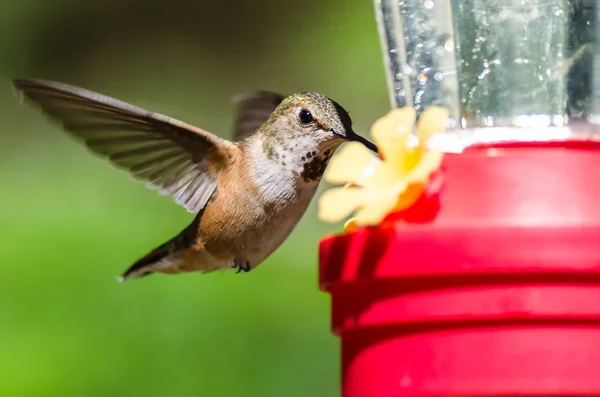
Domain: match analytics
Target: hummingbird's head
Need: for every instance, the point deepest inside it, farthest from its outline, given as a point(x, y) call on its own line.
point(313, 116)
point(303, 132)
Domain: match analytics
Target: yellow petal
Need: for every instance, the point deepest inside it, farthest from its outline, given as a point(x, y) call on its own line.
point(432, 121)
point(380, 176)
point(411, 159)
point(377, 208)
point(431, 161)
point(392, 131)
point(409, 196)
point(351, 225)
point(375, 188)
point(349, 163)
point(337, 203)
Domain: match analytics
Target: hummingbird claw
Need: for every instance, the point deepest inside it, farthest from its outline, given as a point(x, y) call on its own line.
point(242, 267)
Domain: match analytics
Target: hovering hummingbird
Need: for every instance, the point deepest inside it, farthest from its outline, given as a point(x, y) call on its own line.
point(248, 195)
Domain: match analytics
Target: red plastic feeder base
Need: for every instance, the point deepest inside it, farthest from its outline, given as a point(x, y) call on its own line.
point(498, 295)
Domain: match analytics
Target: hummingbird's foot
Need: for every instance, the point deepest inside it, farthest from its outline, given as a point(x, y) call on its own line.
point(245, 267)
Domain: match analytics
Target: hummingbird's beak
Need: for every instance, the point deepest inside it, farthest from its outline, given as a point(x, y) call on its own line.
point(354, 137)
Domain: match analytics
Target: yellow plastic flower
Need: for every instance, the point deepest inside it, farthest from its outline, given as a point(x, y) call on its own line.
point(374, 187)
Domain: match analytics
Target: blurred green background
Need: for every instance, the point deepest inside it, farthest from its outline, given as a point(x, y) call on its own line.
point(70, 223)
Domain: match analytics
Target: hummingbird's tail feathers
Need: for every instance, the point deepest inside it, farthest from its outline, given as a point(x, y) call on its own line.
point(167, 257)
point(149, 263)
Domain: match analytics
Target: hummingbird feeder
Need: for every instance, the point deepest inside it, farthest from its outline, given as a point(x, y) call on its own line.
point(486, 282)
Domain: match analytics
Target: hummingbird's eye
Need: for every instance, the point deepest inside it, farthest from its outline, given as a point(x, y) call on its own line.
point(305, 116)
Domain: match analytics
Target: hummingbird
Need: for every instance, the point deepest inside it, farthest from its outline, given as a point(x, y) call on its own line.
point(248, 194)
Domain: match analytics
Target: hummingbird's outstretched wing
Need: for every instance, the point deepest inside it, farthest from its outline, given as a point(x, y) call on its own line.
point(173, 157)
point(253, 109)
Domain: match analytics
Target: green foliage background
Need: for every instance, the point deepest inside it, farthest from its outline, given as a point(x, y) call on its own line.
point(69, 223)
